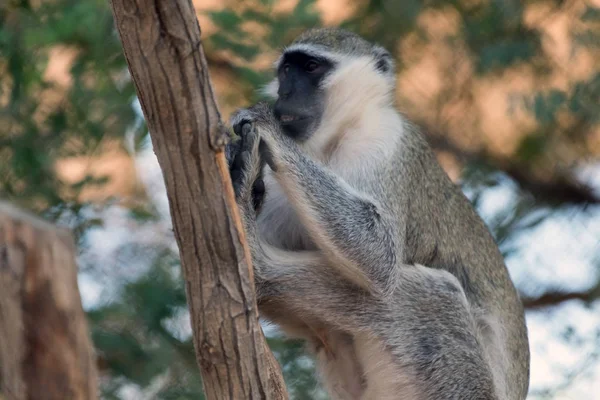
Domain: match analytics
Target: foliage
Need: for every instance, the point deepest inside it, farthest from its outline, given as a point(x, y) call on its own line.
point(43, 121)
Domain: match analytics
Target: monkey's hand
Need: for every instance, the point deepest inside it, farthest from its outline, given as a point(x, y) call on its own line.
point(274, 145)
point(246, 165)
point(246, 168)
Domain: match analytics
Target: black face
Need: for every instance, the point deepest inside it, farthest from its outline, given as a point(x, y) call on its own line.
point(299, 107)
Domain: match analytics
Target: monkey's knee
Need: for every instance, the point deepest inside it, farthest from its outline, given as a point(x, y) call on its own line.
point(442, 342)
point(436, 284)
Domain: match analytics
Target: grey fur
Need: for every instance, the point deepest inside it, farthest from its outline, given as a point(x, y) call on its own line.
point(391, 261)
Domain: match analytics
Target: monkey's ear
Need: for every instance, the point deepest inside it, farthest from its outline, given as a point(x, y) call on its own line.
point(383, 60)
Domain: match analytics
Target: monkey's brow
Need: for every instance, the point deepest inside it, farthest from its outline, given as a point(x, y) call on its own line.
point(302, 56)
point(311, 50)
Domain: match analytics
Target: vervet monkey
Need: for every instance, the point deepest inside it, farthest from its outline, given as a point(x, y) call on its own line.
point(362, 245)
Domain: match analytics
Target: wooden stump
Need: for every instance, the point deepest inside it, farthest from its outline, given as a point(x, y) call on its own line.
point(45, 349)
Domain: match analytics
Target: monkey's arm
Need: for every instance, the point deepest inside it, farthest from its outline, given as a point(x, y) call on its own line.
point(348, 225)
point(301, 281)
point(352, 229)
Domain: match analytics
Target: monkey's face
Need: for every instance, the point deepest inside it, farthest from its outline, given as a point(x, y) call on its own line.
point(301, 101)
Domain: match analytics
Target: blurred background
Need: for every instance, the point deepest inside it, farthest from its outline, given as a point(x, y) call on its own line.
point(507, 92)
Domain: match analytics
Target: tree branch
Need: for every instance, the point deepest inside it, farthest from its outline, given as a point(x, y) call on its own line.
point(554, 298)
point(161, 42)
point(560, 189)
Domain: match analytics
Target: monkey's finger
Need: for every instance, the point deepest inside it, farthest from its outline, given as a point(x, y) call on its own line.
point(248, 136)
point(245, 158)
point(266, 154)
point(247, 128)
point(237, 128)
point(236, 163)
point(237, 189)
point(230, 158)
point(235, 174)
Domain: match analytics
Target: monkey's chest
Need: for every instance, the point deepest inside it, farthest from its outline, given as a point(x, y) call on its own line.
point(279, 223)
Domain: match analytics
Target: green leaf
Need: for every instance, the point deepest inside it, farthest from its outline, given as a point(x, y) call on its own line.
point(531, 146)
point(545, 106)
point(591, 14)
point(227, 20)
point(504, 54)
point(248, 52)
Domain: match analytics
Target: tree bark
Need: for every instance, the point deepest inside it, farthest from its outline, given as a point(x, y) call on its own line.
point(45, 350)
point(161, 42)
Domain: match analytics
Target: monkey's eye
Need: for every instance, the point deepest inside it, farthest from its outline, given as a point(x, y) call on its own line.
point(285, 68)
point(311, 66)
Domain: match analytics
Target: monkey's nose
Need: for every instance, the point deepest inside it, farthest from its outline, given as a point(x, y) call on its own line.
point(278, 110)
point(284, 91)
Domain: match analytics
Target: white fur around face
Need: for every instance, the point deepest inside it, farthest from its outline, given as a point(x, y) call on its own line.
point(360, 125)
point(359, 119)
point(270, 89)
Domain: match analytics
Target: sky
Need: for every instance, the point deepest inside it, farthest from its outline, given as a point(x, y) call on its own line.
point(563, 252)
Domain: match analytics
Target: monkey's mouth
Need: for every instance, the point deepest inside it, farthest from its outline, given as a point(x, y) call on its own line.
point(293, 125)
point(285, 118)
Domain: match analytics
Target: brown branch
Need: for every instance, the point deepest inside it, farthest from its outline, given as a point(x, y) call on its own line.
point(45, 349)
point(161, 42)
point(554, 298)
point(560, 189)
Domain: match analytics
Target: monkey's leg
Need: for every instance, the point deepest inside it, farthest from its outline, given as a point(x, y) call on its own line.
point(302, 282)
point(433, 334)
point(422, 342)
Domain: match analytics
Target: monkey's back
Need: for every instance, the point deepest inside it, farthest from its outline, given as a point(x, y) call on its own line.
point(444, 231)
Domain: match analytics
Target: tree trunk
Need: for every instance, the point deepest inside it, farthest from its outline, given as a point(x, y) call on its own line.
point(161, 41)
point(45, 350)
